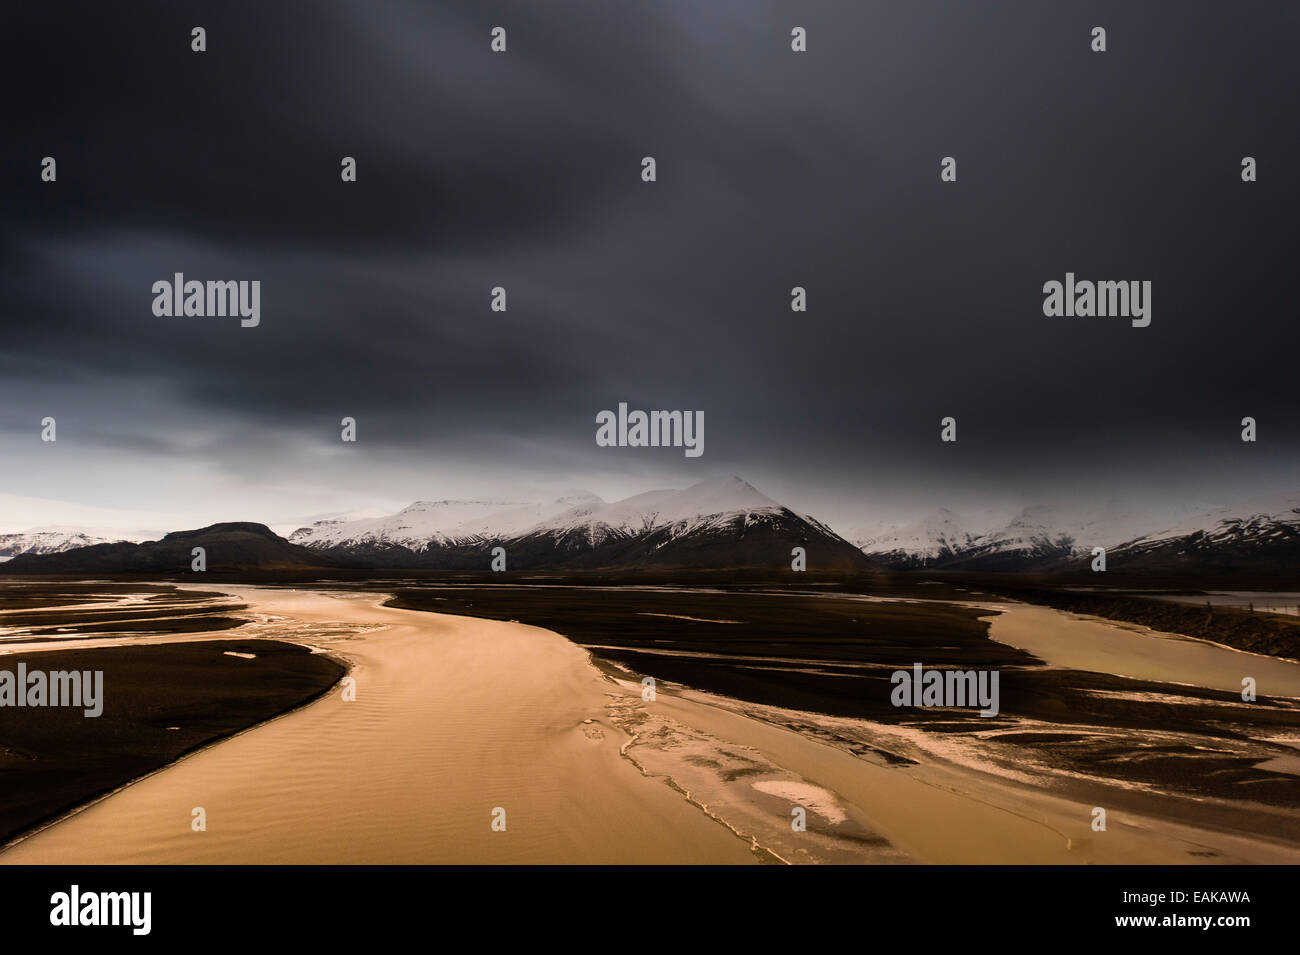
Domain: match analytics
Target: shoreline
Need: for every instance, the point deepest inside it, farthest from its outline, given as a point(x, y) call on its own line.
point(872, 792)
point(134, 732)
point(49, 822)
point(403, 772)
point(1156, 653)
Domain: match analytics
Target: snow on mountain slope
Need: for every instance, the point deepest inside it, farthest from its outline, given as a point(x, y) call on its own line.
point(286, 528)
point(1037, 533)
point(424, 523)
point(50, 540)
point(1046, 528)
point(936, 535)
point(427, 523)
point(1259, 519)
point(713, 525)
point(698, 506)
point(517, 520)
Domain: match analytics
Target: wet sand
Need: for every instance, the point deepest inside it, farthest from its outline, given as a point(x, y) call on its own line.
point(452, 719)
point(1070, 640)
point(155, 703)
point(455, 716)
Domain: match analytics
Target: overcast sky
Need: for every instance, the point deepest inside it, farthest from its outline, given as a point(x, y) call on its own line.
point(522, 170)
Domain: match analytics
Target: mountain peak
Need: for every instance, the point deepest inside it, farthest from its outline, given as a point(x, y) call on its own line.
point(726, 494)
point(419, 507)
point(230, 546)
point(724, 521)
point(227, 527)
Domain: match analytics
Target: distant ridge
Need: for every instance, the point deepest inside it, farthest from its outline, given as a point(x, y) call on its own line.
point(46, 541)
point(229, 547)
point(1256, 538)
point(1260, 536)
point(719, 525)
point(713, 525)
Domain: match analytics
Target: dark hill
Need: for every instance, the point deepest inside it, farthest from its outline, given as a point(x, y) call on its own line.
point(230, 547)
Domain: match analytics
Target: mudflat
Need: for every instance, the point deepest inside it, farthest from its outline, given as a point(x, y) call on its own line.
point(160, 701)
point(456, 723)
point(461, 722)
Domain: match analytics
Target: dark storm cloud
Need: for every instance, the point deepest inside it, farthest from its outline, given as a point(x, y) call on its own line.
point(775, 169)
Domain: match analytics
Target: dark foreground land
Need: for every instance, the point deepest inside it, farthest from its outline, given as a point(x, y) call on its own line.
point(833, 653)
point(161, 701)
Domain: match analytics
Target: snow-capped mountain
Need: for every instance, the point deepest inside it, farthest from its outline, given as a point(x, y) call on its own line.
point(287, 527)
point(722, 523)
point(1038, 537)
point(685, 511)
point(230, 547)
point(1042, 534)
point(1260, 519)
point(1261, 536)
point(426, 524)
point(935, 537)
point(50, 540)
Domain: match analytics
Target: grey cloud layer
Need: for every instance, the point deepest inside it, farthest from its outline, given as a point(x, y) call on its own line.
point(775, 169)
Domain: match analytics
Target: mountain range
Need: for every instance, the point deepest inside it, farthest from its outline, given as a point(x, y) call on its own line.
point(720, 524)
point(228, 547)
point(714, 525)
point(1262, 535)
point(45, 541)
